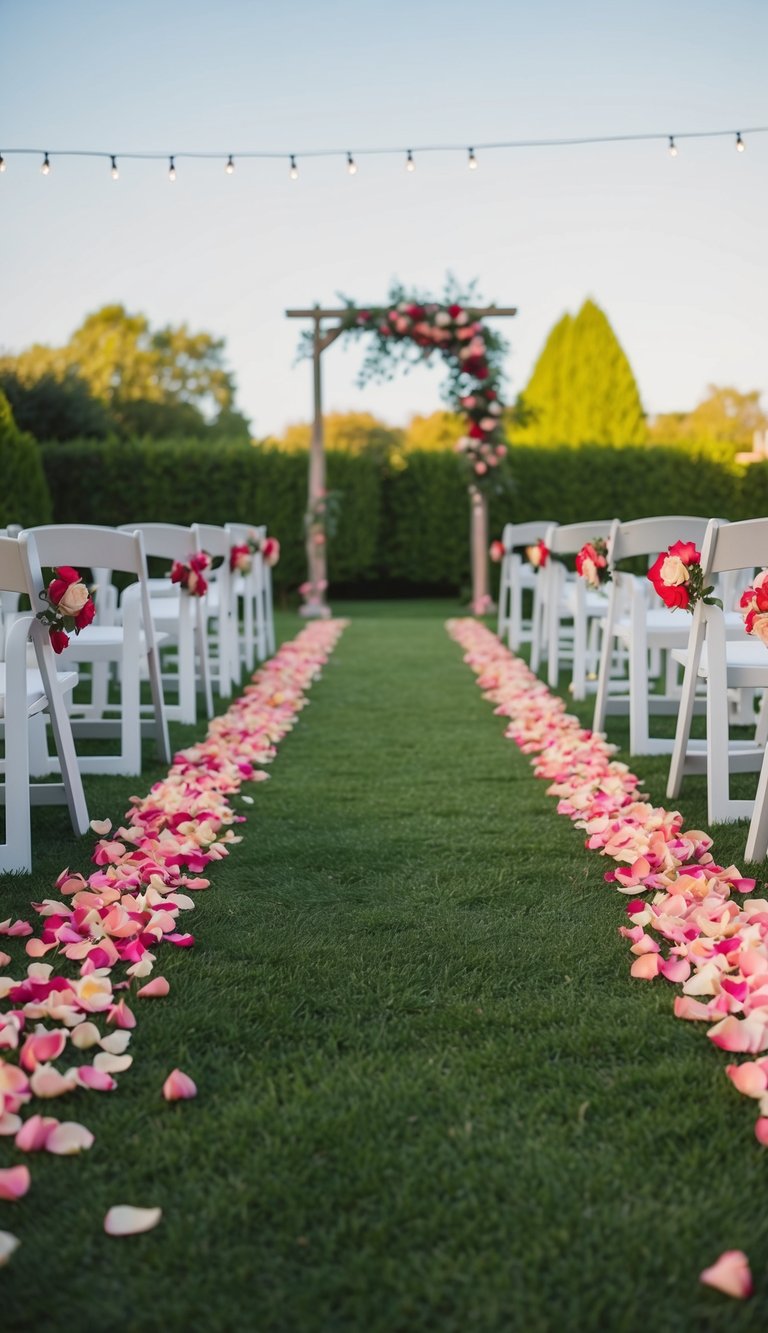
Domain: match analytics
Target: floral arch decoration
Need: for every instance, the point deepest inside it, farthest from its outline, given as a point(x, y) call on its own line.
point(405, 332)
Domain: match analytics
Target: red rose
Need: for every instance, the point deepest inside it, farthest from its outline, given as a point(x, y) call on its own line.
point(654, 573)
point(56, 590)
point(497, 551)
point(85, 616)
point(67, 573)
point(59, 640)
point(200, 561)
point(454, 310)
point(476, 432)
point(178, 572)
point(686, 551)
point(674, 596)
point(416, 311)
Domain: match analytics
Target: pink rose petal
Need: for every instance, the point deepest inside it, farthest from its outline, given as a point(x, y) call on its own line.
point(95, 1079)
point(124, 1220)
point(155, 988)
point(730, 1274)
point(178, 1086)
point(35, 1132)
point(69, 1138)
point(761, 1130)
point(14, 1182)
point(101, 827)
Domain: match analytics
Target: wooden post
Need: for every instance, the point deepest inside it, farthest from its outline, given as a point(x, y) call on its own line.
point(478, 546)
point(315, 604)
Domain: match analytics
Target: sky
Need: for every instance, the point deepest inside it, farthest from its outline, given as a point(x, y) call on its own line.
point(674, 250)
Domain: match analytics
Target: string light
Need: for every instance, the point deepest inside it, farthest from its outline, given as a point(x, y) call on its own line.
point(351, 165)
point(230, 167)
point(2, 163)
point(472, 160)
point(171, 169)
point(672, 146)
point(294, 170)
point(46, 167)
point(740, 144)
point(114, 171)
point(410, 165)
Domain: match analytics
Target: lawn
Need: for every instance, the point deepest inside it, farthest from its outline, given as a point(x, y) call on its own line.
point(430, 1094)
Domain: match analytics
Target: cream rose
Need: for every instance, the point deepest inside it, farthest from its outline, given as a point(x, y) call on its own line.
point(760, 627)
point(74, 599)
point(589, 572)
point(673, 572)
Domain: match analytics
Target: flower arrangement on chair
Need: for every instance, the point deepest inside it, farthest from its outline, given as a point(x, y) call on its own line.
point(497, 551)
point(70, 606)
point(241, 558)
point(189, 576)
point(677, 578)
point(592, 563)
point(270, 551)
point(754, 607)
point(537, 555)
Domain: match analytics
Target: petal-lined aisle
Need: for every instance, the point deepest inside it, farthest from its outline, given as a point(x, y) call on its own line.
point(429, 1095)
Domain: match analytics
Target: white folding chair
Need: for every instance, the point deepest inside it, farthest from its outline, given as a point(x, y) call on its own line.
point(639, 633)
point(248, 592)
point(127, 645)
point(517, 577)
point(220, 608)
point(570, 608)
point(723, 657)
point(27, 692)
point(181, 618)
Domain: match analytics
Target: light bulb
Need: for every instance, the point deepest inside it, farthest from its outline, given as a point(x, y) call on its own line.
point(351, 165)
point(114, 171)
point(46, 167)
point(230, 167)
point(740, 144)
point(472, 160)
point(672, 146)
point(294, 170)
point(171, 170)
point(2, 163)
point(410, 165)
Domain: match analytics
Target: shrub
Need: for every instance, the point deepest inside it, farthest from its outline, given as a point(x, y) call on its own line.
point(24, 496)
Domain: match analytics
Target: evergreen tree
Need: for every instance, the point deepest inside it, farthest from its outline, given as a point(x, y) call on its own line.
point(582, 390)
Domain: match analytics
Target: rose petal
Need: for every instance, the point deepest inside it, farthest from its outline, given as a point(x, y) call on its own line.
point(730, 1274)
point(155, 988)
point(178, 1086)
point(14, 1182)
point(101, 826)
point(48, 1082)
point(112, 1064)
point(8, 1244)
point(35, 1132)
point(69, 1138)
point(124, 1220)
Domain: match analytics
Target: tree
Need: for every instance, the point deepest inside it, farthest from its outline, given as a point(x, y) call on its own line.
point(724, 416)
point(582, 390)
point(438, 431)
point(124, 362)
point(56, 409)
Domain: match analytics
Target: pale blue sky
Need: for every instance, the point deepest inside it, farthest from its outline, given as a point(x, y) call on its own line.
point(674, 250)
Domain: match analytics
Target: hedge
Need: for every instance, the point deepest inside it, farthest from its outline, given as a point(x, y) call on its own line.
point(24, 494)
point(400, 530)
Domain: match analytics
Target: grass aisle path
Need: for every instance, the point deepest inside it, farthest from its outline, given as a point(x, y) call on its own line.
point(431, 1097)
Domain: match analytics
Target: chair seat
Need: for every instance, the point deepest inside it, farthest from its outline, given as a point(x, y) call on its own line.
point(36, 696)
point(100, 643)
point(746, 663)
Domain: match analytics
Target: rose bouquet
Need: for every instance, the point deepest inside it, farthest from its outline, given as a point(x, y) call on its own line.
point(537, 555)
point(592, 562)
point(190, 576)
point(497, 552)
point(240, 558)
point(676, 576)
point(70, 606)
point(270, 550)
point(754, 607)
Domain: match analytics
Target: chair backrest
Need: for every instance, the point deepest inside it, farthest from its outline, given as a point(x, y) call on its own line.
point(568, 538)
point(729, 546)
point(169, 541)
point(651, 536)
point(525, 534)
point(93, 547)
point(213, 539)
point(13, 566)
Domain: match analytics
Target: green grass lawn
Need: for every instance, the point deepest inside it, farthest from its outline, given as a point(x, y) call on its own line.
point(430, 1094)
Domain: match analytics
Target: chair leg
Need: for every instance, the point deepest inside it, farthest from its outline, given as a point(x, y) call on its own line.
point(757, 838)
point(62, 735)
point(16, 855)
point(685, 713)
